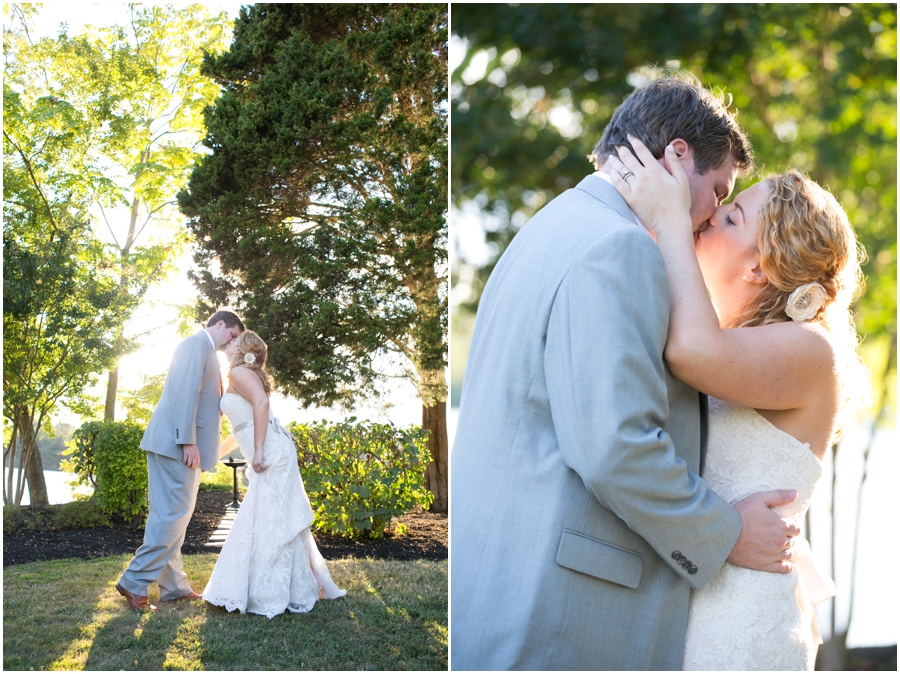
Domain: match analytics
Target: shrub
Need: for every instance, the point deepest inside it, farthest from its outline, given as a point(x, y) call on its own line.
point(23, 518)
point(108, 455)
point(85, 514)
point(360, 475)
point(82, 514)
point(81, 453)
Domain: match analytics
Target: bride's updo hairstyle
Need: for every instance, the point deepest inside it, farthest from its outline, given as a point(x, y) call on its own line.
point(251, 343)
point(805, 237)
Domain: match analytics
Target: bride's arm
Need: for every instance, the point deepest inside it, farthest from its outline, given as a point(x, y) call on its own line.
point(776, 366)
point(228, 446)
point(248, 386)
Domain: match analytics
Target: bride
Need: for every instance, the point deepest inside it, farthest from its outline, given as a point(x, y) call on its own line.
point(269, 562)
point(760, 320)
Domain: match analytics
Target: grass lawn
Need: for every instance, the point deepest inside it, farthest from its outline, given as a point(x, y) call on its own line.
point(67, 615)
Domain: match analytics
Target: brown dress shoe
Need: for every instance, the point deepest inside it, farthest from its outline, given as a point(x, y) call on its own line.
point(136, 601)
point(191, 596)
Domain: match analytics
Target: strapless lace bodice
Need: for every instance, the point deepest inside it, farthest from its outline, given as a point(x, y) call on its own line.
point(744, 619)
point(237, 408)
point(747, 454)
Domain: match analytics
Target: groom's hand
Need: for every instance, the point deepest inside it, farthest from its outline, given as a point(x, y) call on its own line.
point(191, 456)
point(767, 538)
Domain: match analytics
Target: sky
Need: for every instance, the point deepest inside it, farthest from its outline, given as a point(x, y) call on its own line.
point(158, 314)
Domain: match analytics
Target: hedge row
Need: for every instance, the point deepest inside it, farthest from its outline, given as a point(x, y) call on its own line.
point(358, 475)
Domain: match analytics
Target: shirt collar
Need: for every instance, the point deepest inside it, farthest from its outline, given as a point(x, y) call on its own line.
point(209, 337)
point(605, 176)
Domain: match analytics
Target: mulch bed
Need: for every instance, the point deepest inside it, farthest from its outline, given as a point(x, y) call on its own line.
point(425, 538)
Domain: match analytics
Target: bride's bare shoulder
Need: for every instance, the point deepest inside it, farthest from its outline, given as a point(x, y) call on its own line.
point(245, 383)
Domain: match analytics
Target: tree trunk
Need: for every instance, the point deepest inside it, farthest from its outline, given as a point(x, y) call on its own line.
point(112, 388)
point(434, 419)
point(832, 656)
point(34, 467)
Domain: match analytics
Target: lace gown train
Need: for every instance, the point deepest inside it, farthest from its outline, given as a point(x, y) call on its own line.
point(269, 563)
point(753, 620)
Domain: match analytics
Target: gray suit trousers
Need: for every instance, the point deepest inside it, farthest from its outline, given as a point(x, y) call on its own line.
point(173, 494)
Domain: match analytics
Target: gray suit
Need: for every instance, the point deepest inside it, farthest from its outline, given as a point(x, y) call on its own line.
point(579, 522)
point(187, 414)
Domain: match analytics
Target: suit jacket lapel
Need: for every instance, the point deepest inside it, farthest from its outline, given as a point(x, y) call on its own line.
point(213, 360)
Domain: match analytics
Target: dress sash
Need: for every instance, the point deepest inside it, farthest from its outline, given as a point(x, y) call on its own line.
point(814, 587)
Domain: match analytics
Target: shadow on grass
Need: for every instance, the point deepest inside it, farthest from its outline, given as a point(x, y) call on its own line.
point(394, 617)
point(148, 641)
point(68, 615)
point(53, 611)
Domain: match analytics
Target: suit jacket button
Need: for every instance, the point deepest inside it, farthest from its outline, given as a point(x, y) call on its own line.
point(692, 570)
point(677, 556)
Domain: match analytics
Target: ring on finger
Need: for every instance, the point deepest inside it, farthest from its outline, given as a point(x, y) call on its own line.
point(627, 175)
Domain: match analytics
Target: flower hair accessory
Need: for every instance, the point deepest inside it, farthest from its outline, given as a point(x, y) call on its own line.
point(804, 303)
point(249, 358)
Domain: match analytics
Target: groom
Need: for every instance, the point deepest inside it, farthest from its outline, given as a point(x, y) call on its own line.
point(181, 439)
point(580, 523)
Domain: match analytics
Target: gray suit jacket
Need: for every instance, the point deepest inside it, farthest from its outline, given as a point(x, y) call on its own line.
point(188, 410)
point(579, 522)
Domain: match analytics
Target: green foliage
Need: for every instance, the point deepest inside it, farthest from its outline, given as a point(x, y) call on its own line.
point(360, 475)
point(815, 85)
point(323, 200)
point(18, 518)
point(86, 514)
point(53, 444)
point(80, 454)
point(88, 121)
point(222, 479)
point(83, 514)
point(140, 403)
point(108, 455)
point(100, 132)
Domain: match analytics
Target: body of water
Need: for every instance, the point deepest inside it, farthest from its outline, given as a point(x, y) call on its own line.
point(57, 489)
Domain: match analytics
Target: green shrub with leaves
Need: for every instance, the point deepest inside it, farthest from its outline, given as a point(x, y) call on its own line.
point(18, 518)
point(108, 456)
point(360, 475)
point(79, 514)
point(83, 514)
point(80, 454)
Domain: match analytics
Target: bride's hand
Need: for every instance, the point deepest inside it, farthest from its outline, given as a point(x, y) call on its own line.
point(660, 199)
point(257, 462)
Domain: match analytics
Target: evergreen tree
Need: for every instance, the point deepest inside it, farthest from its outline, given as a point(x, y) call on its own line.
point(320, 212)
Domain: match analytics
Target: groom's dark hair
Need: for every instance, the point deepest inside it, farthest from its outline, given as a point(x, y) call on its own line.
point(231, 319)
point(675, 105)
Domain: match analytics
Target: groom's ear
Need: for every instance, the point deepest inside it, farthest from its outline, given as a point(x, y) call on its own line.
point(681, 148)
point(684, 153)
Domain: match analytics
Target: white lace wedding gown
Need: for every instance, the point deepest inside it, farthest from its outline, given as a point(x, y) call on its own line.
point(754, 620)
point(269, 562)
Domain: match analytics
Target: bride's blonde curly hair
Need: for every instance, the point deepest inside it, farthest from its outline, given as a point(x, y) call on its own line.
point(250, 342)
point(806, 237)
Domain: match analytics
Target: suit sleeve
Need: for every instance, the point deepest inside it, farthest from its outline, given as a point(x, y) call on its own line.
point(186, 377)
point(607, 386)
